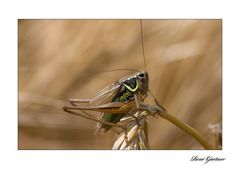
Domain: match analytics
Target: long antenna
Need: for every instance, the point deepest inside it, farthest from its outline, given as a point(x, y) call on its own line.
point(144, 58)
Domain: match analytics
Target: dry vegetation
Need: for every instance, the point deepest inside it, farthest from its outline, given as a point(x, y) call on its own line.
point(59, 59)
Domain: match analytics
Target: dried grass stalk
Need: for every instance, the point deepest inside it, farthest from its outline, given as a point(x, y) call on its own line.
point(135, 135)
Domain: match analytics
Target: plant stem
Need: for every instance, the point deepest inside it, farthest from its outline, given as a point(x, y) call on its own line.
point(188, 129)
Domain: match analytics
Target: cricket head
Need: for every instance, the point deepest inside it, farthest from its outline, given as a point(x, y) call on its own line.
point(137, 82)
point(142, 78)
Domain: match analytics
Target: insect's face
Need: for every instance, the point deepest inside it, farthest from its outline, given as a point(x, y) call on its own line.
point(142, 78)
point(137, 82)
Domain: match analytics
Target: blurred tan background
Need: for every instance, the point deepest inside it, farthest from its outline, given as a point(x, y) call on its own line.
point(61, 59)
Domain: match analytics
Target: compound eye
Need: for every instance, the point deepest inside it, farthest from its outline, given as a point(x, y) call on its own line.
point(141, 75)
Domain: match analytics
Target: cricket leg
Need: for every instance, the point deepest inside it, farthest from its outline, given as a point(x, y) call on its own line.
point(156, 101)
point(112, 108)
point(140, 106)
point(89, 117)
point(137, 99)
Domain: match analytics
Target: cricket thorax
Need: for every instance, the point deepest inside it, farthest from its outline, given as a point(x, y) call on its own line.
point(131, 85)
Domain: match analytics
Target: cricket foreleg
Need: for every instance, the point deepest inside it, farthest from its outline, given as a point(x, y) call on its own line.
point(156, 101)
point(138, 100)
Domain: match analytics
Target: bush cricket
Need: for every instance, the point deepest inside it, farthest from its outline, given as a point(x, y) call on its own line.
point(123, 99)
